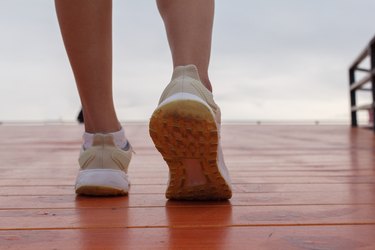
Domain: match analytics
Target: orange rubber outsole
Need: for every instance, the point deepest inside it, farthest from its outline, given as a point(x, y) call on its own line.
point(186, 129)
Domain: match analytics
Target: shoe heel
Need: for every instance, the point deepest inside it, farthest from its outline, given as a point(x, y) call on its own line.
point(186, 134)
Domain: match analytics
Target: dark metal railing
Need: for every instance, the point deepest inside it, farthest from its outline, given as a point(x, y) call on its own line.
point(358, 85)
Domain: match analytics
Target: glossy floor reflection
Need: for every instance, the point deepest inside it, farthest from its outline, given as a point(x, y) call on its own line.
point(295, 187)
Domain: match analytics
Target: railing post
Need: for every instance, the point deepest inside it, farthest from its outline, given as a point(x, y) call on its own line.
point(372, 60)
point(352, 98)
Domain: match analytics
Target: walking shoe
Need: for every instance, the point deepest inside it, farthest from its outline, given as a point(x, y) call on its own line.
point(103, 168)
point(185, 128)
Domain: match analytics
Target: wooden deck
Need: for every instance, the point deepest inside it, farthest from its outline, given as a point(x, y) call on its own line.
point(295, 187)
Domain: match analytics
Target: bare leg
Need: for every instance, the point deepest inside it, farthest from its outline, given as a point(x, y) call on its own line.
point(189, 30)
point(86, 27)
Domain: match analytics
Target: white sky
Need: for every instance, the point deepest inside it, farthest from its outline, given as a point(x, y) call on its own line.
point(271, 59)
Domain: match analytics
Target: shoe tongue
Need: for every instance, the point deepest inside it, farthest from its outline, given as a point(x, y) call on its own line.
point(187, 70)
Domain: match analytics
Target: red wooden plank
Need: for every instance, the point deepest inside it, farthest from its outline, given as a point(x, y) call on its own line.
point(187, 216)
point(303, 237)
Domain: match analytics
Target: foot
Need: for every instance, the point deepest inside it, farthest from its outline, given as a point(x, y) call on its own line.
point(103, 168)
point(185, 128)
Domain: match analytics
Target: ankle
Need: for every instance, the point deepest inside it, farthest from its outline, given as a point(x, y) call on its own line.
point(119, 139)
point(103, 125)
point(203, 76)
point(206, 82)
point(106, 129)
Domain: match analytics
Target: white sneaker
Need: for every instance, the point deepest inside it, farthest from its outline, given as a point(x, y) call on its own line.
point(104, 168)
point(185, 128)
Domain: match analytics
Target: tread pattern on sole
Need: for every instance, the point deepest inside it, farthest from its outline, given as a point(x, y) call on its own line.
point(186, 129)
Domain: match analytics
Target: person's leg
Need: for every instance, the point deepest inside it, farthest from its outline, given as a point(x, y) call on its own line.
point(185, 126)
point(189, 30)
point(86, 26)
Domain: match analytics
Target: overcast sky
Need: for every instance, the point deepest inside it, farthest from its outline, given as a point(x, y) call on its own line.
point(271, 59)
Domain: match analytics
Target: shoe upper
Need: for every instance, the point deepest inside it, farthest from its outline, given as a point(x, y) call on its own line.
point(185, 79)
point(104, 154)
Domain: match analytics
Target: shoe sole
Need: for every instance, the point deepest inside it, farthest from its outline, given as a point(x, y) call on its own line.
point(102, 182)
point(186, 130)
